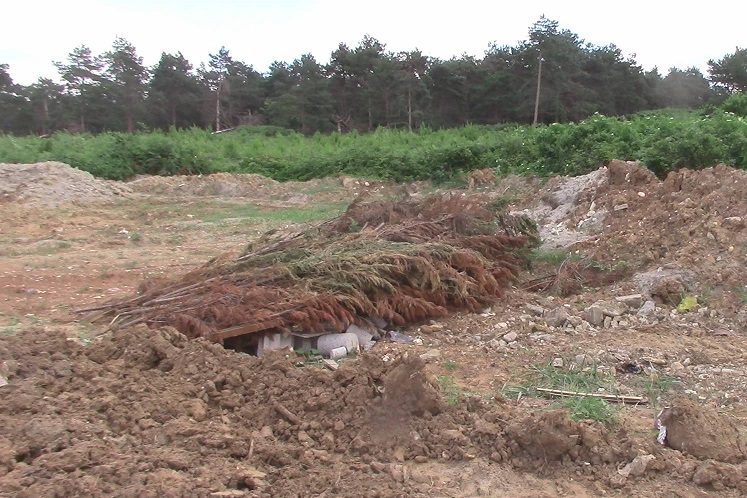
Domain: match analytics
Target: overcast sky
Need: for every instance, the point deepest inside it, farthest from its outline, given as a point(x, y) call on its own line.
point(662, 34)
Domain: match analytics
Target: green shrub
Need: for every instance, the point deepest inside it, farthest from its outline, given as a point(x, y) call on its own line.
point(662, 140)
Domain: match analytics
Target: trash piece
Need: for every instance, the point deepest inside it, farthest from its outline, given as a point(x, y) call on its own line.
point(661, 438)
point(629, 367)
point(338, 353)
point(688, 303)
point(637, 467)
point(400, 337)
point(3, 381)
point(617, 398)
point(331, 364)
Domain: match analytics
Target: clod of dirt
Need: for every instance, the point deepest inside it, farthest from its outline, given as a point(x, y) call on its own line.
point(549, 436)
point(553, 436)
point(52, 184)
point(719, 476)
point(702, 432)
point(408, 389)
point(629, 173)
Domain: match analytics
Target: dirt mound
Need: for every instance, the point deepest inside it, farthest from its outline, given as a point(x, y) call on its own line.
point(52, 183)
point(146, 413)
point(187, 418)
point(217, 184)
point(692, 219)
point(701, 432)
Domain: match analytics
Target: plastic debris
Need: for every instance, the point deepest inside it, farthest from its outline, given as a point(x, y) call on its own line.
point(662, 436)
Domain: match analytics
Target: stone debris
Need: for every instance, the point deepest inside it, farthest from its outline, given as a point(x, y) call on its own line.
point(647, 311)
point(534, 309)
point(365, 338)
point(557, 317)
point(511, 336)
point(326, 344)
point(430, 355)
point(637, 467)
point(634, 301)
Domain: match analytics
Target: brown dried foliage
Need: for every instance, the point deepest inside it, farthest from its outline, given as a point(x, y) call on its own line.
point(410, 261)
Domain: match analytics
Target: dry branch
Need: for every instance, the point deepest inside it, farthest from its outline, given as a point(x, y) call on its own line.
point(617, 398)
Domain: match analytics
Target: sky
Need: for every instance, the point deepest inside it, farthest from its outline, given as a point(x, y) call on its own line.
point(659, 33)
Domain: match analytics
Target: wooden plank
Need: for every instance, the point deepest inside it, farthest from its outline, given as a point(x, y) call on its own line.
point(633, 400)
point(250, 328)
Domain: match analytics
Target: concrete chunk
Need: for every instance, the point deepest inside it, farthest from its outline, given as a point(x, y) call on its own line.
point(557, 317)
point(634, 301)
point(326, 343)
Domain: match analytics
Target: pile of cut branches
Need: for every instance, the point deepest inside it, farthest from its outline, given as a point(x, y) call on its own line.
point(404, 261)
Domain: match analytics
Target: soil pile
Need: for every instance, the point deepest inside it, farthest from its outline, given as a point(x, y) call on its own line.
point(151, 413)
point(52, 184)
point(217, 184)
point(692, 219)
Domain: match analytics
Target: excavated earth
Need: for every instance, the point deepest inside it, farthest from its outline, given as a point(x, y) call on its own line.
point(146, 412)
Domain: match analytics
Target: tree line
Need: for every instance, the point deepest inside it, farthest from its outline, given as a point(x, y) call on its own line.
point(361, 88)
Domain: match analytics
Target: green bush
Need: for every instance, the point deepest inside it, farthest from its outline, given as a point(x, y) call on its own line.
point(662, 140)
point(736, 104)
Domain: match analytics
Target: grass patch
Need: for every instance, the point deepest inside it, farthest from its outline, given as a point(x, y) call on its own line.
point(450, 365)
point(451, 390)
point(10, 324)
point(587, 380)
point(589, 408)
point(176, 240)
point(280, 215)
point(553, 256)
point(655, 385)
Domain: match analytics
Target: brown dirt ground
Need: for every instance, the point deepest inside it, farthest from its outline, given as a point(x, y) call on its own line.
point(148, 413)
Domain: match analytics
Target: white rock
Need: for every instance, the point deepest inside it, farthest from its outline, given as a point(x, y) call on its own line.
point(338, 353)
point(326, 343)
point(432, 354)
point(511, 336)
point(637, 467)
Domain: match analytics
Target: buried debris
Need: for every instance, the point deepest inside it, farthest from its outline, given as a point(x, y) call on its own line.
point(399, 262)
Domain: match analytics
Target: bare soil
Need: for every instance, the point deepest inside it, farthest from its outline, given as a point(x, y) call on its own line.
point(146, 412)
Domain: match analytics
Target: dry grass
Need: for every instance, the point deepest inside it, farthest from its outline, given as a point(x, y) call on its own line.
point(408, 261)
